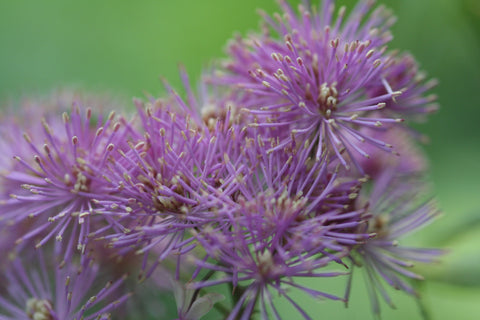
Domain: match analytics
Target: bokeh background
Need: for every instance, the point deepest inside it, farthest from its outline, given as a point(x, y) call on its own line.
point(123, 47)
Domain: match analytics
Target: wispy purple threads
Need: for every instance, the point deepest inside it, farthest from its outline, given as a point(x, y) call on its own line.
point(50, 288)
point(291, 220)
point(172, 180)
point(313, 79)
point(59, 186)
point(247, 181)
point(396, 209)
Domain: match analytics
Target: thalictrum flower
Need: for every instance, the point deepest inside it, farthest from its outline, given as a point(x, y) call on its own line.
point(311, 76)
point(396, 209)
point(9, 133)
point(408, 159)
point(62, 175)
point(248, 179)
point(171, 180)
point(291, 219)
point(403, 74)
point(46, 287)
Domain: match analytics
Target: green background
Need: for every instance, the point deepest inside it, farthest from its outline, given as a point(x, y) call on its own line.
point(123, 47)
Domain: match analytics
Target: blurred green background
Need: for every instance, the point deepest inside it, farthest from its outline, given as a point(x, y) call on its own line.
point(122, 47)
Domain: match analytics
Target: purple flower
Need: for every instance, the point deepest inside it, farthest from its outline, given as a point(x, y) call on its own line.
point(46, 287)
point(292, 218)
point(408, 158)
point(396, 209)
point(403, 74)
point(312, 77)
point(246, 183)
point(172, 180)
point(9, 133)
point(61, 175)
point(13, 126)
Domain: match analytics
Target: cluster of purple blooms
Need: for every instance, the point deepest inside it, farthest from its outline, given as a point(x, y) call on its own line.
point(292, 161)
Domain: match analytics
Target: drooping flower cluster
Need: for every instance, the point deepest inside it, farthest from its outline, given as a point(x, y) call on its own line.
point(293, 159)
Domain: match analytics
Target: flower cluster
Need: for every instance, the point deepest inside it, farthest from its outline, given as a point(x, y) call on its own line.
point(293, 161)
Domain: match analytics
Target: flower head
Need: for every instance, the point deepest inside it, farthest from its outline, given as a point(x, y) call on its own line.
point(291, 219)
point(50, 288)
point(408, 159)
point(172, 179)
point(396, 209)
point(402, 73)
point(60, 177)
point(313, 78)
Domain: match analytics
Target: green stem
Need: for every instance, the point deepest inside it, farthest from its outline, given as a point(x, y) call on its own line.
point(424, 311)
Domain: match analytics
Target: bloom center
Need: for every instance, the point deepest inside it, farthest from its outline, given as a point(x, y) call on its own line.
point(79, 183)
point(39, 309)
point(327, 99)
point(82, 183)
point(380, 226)
point(164, 190)
point(265, 264)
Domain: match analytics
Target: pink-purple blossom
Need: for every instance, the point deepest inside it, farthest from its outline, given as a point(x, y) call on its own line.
point(293, 160)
